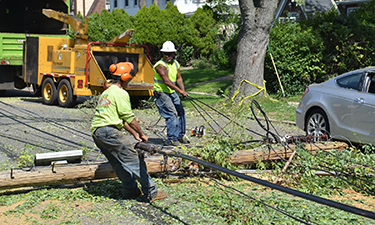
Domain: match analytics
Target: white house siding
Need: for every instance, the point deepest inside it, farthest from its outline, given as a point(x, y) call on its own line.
point(184, 6)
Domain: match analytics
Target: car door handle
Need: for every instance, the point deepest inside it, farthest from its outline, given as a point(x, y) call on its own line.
point(359, 100)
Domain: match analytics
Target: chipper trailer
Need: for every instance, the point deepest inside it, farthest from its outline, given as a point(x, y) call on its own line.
point(62, 68)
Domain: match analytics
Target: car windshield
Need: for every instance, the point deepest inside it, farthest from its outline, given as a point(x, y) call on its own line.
point(354, 81)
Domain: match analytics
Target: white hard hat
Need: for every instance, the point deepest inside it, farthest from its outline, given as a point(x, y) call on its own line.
point(168, 46)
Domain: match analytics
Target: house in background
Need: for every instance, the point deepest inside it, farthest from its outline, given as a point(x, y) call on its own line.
point(187, 7)
point(345, 7)
point(289, 10)
point(87, 7)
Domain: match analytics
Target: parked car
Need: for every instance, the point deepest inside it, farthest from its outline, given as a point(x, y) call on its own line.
point(342, 107)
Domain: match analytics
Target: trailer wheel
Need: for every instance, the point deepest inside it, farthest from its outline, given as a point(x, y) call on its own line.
point(49, 92)
point(66, 97)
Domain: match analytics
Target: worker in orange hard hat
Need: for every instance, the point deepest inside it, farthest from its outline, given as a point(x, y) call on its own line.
point(123, 71)
point(111, 115)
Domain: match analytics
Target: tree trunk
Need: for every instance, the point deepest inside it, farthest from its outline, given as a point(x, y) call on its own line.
point(256, 17)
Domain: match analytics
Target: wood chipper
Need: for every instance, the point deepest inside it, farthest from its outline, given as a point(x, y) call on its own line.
point(63, 68)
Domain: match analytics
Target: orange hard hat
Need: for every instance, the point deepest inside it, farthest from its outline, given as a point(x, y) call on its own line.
point(123, 69)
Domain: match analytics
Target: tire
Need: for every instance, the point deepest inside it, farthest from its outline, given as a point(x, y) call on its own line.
point(317, 124)
point(49, 91)
point(65, 94)
point(2, 93)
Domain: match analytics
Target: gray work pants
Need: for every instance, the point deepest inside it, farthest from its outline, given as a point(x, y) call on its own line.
point(125, 161)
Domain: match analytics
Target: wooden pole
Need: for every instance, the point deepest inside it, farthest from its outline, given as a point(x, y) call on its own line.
point(72, 173)
point(252, 156)
point(277, 74)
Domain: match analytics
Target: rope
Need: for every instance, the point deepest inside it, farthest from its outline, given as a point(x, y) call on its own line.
point(250, 96)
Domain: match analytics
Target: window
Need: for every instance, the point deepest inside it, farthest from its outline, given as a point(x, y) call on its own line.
point(126, 3)
point(371, 83)
point(351, 9)
point(115, 4)
point(135, 2)
point(354, 82)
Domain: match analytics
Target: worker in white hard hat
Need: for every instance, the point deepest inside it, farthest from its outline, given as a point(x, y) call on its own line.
point(168, 81)
point(111, 115)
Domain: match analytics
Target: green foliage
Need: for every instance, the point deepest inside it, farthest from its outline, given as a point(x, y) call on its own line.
point(26, 158)
point(105, 26)
point(352, 164)
point(298, 56)
point(218, 151)
point(176, 27)
point(319, 48)
point(204, 23)
point(194, 36)
point(186, 54)
point(148, 26)
point(220, 58)
point(201, 63)
point(348, 42)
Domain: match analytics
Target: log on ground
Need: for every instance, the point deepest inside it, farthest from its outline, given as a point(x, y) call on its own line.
point(253, 156)
point(71, 173)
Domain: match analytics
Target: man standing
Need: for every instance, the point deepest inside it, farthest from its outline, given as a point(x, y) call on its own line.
point(168, 81)
point(111, 115)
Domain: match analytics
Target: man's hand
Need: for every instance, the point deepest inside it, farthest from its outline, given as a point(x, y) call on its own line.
point(143, 138)
point(184, 94)
point(135, 130)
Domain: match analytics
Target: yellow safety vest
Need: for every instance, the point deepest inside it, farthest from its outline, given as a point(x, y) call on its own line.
point(172, 69)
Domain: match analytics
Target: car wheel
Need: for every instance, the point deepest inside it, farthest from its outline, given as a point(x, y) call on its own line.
point(317, 124)
point(65, 96)
point(49, 92)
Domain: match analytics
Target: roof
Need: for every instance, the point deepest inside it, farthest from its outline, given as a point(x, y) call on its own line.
point(321, 6)
point(97, 6)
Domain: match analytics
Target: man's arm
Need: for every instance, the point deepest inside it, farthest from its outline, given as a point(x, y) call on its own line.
point(134, 129)
point(180, 83)
point(163, 72)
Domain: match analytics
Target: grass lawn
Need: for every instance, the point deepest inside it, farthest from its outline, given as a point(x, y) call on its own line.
point(216, 91)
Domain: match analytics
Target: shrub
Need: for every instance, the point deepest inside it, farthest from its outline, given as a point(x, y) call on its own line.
point(206, 31)
point(201, 63)
point(105, 26)
point(298, 58)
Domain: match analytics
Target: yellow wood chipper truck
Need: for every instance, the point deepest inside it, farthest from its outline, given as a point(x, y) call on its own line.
point(62, 68)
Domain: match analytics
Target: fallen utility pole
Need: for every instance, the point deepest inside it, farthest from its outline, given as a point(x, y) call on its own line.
point(73, 173)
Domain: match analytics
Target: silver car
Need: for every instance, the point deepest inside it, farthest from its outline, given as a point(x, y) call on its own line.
point(342, 107)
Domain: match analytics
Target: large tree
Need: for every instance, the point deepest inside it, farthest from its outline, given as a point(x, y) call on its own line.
point(253, 37)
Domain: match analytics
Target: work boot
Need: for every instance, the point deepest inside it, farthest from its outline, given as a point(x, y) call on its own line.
point(161, 195)
point(172, 143)
point(184, 141)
